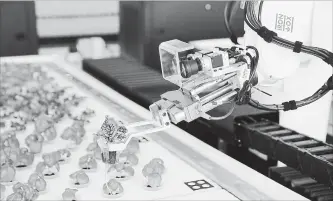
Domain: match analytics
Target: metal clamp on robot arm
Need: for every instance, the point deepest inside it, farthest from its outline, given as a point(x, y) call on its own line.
point(206, 80)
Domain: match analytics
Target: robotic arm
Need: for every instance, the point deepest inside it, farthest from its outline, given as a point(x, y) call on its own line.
point(208, 79)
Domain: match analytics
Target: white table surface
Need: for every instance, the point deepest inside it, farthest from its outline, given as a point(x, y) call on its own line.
point(186, 158)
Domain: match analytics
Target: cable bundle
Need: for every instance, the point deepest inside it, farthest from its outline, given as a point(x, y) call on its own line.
point(253, 20)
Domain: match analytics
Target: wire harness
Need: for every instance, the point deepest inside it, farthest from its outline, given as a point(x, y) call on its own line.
point(253, 20)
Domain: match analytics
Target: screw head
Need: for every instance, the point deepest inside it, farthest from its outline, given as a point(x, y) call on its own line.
point(208, 7)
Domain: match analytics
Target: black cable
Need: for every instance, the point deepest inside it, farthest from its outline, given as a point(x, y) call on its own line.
point(259, 13)
point(255, 25)
point(255, 62)
point(227, 17)
point(244, 94)
point(253, 20)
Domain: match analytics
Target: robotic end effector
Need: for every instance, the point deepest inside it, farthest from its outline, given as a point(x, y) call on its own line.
point(206, 78)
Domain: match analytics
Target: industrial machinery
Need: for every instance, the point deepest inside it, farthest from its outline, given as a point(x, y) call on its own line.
point(220, 77)
point(207, 79)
